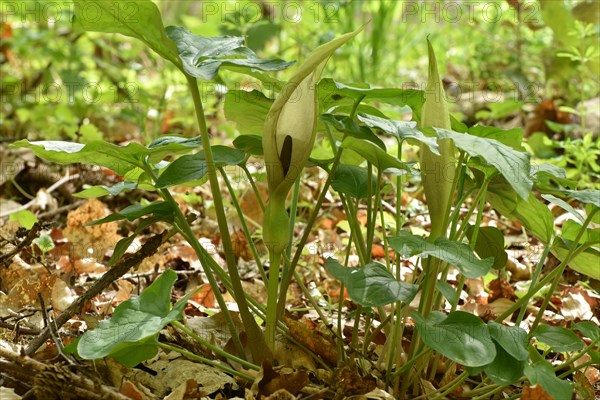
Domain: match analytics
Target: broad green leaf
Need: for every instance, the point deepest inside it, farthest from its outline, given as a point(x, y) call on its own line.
point(135, 211)
point(585, 196)
point(571, 229)
point(117, 158)
point(372, 285)
point(123, 244)
point(549, 177)
point(448, 291)
point(193, 167)
point(455, 253)
point(588, 328)
point(509, 137)
point(558, 338)
point(402, 130)
point(170, 145)
point(248, 110)
point(120, 159)
point(543, 374)
point(505, 369)
point(25, 218)
point(585, 263)
point(564, 205)
point(188, 168)
point(532, 213)
point(139, 19)
point(332, 93)
point(353, 181)
point(511, 338)
point(249, 144)
point(131, 333)
point(460, 336)
point(512, 164)
point(203, 56)
point(346, 125)
point(103, 190)
point(374, 154)
point(490, 243)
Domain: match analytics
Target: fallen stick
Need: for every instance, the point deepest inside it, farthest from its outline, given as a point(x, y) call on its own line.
point(147, 249)
point(57, 380)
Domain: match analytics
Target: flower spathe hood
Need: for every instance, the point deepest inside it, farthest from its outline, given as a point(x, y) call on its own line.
point(291, 124)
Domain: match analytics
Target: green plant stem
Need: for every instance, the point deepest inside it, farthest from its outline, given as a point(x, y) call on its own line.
point(534, 278)
point(577, 368)
point(458, 172)
point(370, 219)
point(213, 363)
point(214, 348)
point(578, 355)
point(446, 389)
point(351, 212)
point(340, 342)
point(461, 280)
point(293, 210)
point(255, 336)
point(287, 276)
point(481, 193)
point(184, 229)
point(240, 213)
point(275, 256)
point(254, 188)
point(561, 268)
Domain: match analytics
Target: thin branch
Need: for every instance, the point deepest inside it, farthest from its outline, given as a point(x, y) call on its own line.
point(148, 249)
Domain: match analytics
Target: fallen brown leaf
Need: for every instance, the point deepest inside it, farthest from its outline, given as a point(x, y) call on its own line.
point(289, 380)
point(313, 340)
point(205, 296)
point(500, 289)
point(348, 382)
point(535, 393)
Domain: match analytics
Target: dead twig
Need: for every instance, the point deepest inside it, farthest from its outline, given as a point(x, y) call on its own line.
point(18, 329)
point(31, 235)
point(56, 381)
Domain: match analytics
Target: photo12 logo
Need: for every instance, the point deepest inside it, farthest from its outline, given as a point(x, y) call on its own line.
point(57, 11)
point(470, 11)
point(288, 11)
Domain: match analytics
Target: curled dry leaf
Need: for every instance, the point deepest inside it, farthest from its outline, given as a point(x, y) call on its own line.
point(347, 381)
point(500, 289)
point(287, 379)
point(313, 340)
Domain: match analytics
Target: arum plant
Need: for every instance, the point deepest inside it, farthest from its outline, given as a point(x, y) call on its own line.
point(289, 136)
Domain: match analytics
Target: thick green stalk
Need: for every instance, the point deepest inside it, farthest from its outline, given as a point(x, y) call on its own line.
point(562, 267)
point(288, 273)
point(255, 336)
point(240, 213)
point(275, 235)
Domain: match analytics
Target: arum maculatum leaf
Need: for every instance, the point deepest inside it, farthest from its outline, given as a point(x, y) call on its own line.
point(460, 336)
point(372, 285)
point(131, 334)
point(202, 56)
